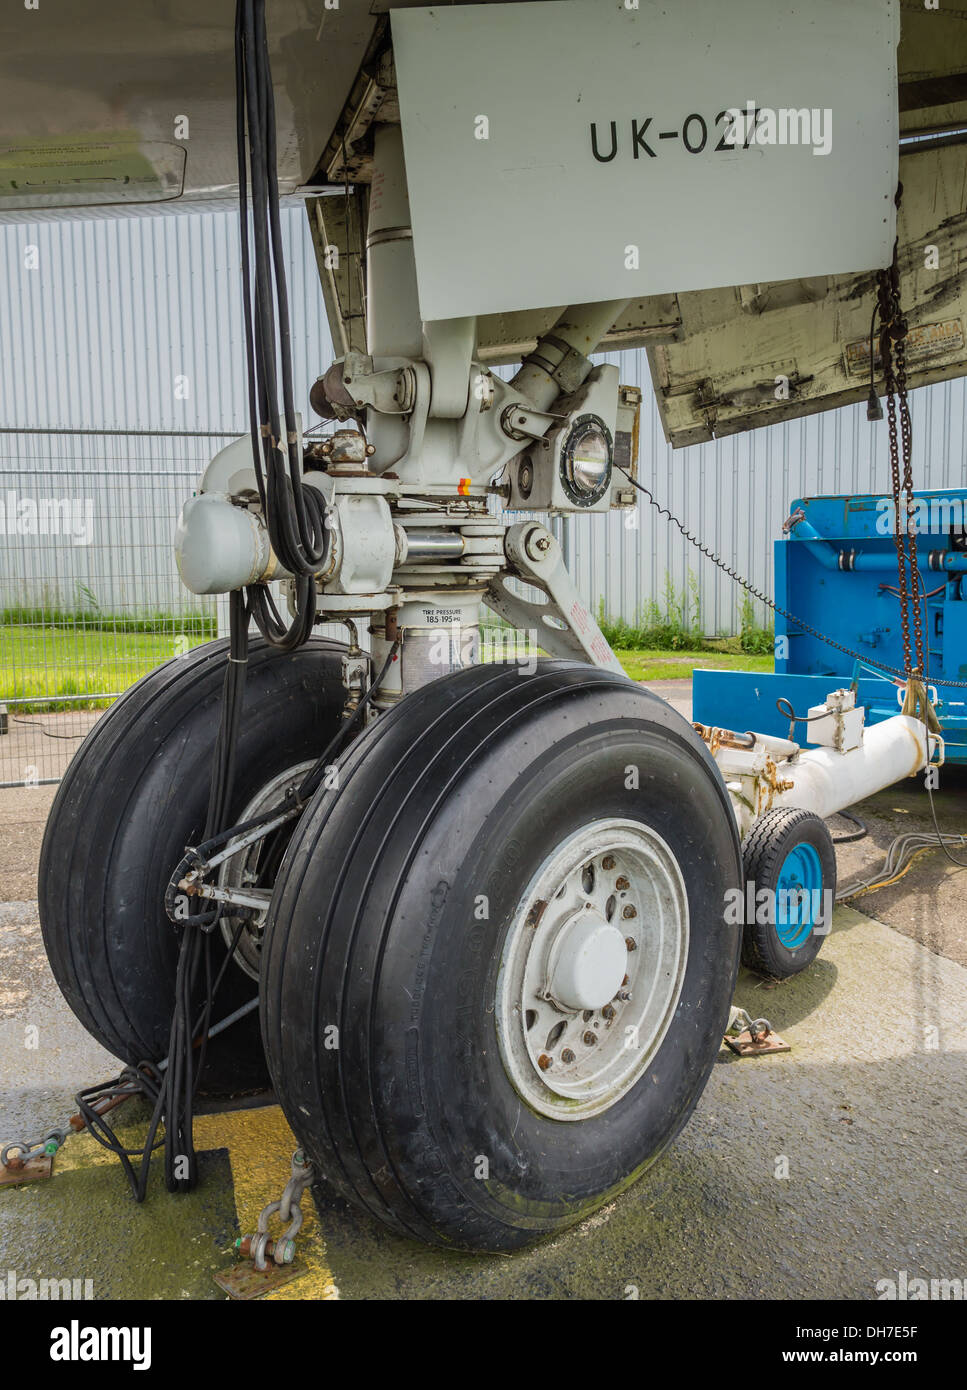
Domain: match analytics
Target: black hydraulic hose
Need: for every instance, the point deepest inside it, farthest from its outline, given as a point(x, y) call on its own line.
point(304, 544)
point(175, 1102)
point(860, 833)
point(270, 624)
point(245, 255)
point(310, 783)
point(316, 552)
point(224, 760)
point(785, 708)
point(172, 1089)
point(295, 516)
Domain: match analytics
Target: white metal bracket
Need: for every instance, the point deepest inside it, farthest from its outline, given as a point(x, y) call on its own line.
point(561, 625)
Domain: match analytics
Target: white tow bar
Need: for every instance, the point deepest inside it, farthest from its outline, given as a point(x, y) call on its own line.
point(851, 763)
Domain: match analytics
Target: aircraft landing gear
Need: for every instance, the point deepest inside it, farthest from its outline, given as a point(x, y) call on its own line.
point(495, 974)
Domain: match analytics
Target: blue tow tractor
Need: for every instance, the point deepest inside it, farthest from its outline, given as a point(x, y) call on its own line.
point(834, 723)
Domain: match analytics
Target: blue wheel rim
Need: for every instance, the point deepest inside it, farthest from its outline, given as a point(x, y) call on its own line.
point(799, 896)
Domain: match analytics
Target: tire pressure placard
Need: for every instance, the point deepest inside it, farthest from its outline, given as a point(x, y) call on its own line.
point(579, 150)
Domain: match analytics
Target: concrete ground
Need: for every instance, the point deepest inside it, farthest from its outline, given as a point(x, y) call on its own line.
point(811, 1174)
point(37, 747)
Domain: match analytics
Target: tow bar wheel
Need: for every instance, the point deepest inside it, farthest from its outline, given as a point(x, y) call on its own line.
point(790, 854)
point(497, 969)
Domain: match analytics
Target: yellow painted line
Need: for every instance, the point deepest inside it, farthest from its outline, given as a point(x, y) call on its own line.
point(81, 1151)
point(260, 1146)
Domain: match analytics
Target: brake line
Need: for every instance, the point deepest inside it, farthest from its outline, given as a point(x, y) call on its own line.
point(172, 1084)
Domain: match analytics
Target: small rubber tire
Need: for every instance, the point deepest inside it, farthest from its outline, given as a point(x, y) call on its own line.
point(786, 846)
point(379, 977)
point(134, 796)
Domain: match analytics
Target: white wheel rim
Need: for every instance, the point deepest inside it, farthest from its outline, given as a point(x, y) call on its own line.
point(241, 870)
point(571, 1062)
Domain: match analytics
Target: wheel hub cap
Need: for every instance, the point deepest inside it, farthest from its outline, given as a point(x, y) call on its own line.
point(592, 968)
point(589, 962)
point(798, 895)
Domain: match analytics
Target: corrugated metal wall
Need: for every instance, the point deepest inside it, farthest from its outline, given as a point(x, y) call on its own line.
point(97, 335)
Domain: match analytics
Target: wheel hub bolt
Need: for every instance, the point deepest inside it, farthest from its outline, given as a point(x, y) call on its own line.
point(624, 996)
point(621, 884)
point(629, 912)
point(590, 1038)
point(608, 1011)
point(608, 862)
point(632, 945)
point(544, 1061)
point(567, 1055)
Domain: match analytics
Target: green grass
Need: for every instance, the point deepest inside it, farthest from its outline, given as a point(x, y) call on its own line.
point(55, 655)
point(663, 666)
point(676, 625)
point(203, 625)
point(658, 664)
point(59, 658)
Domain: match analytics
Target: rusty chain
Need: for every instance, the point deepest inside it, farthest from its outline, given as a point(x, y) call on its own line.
point(262, 1246)
point(893, 333)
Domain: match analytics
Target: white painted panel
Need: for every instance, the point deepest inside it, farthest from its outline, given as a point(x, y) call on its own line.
point(530, 217)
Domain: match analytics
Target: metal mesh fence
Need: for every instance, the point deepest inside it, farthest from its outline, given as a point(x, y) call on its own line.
point(90, 598)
